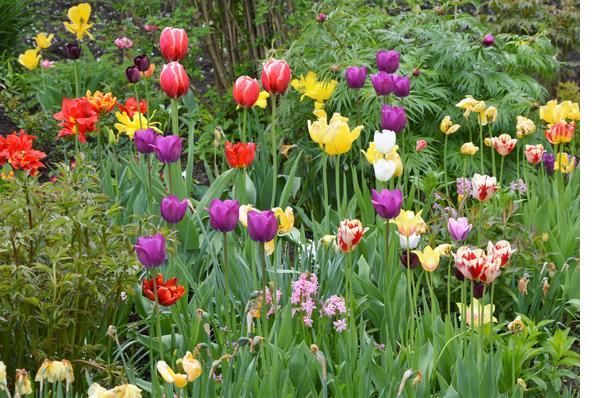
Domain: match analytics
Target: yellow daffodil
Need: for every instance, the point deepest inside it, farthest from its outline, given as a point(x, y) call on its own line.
point(191, 367)
point(468, 149)
point(409, 223)
point(285, 219)
point(483, 319)
point(23, 385)
point(30, 59)
point(487, 116)
point(335, 138)
point(261, 102)
point(79, 16)
point(564, 163)
point(525, 127)
point(553, 112)
point(311, 87)
point(42, 40)
point(53, 371)
point(137, 122)
point(243, 217)
point(169, 376)
point(447, 127)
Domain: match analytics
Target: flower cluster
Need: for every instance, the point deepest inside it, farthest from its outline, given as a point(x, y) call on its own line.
point(335, 307)
point(17, 150)
point(303, 298)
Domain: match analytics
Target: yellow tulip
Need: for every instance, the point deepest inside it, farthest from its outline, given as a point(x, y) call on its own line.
point(468, 103)
point(447, 127)
point(564, 163)
point(487, 116)
point(30, 59)
point(191, 367)
point(468, 149)
point(553, 112)
point(409, 223)
point(44, 41)
point(285, 219)
point(169, 376)
point(137, 122)
point(483, 319)
point(525, 127)
point(243, 217)
point(317, 128)
point(429, 258)
point(261, 102)
point(335, 138)
point(79, 16)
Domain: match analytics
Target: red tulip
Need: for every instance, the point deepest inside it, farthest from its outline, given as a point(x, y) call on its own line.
point(18, 151)
point(77, 116)
point(168, 292)
point(173, 44)
point(240, 155)
point(246, 91)
point(276, 75)
point(174, 80)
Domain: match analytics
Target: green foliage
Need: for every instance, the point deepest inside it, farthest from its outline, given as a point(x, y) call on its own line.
point(14, 17)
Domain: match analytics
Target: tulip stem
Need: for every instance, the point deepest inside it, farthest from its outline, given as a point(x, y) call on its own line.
point(149, 164)
point(494, 152)
point(325, 190)
point(157, 316)
point(263, 310)
point(337, 185)
point(175, 116)
point(448, 287)
point(225, 275)
point(410, 288)
point(481, 146)
point(501, 170)
point(244, 124)
point(274, 148)
point(445, 167)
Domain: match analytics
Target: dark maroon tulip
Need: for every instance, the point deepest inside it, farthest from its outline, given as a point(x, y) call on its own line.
point(478, 290)
point(414, 259)
point(401, 86)
point(488, 40)
point(144, 139)
point(224, 214)
point(355, 76)
point(387, 203)
point(73, 51)
point(151, 250)
point(172, 209)
point(133, 74)
point(142, 62)
point(167, 149)
point(393, 118)
point(383, 83)
point(459, 275)
point(388, 61)
point(262, 225)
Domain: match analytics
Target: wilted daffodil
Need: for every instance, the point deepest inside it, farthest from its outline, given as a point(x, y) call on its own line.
point(334, 137)
point(55, 371)
point(79, 16)
point(137, 122)
point(409, 223)
point(525, 127)
point(311, 87)
point(447, 127)
point(191, 367)
point(484, 318)
point(30, 59)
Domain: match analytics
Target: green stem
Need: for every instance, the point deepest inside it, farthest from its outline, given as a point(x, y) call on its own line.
point(501, 170)
point(175, 116)
point(445, 169)
point(274, 148)
point(448, 287)
point(149, 164)
point(325, 189)
point(157, 317)
point(337, 185)
point(244, 124)
point(481, 146)
point(493, 151)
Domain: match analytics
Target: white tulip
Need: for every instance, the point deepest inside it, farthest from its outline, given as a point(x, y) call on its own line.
point(411, 242)
point(385, 141)
point(384, 169)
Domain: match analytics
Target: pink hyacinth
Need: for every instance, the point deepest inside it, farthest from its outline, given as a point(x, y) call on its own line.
point(47, 64)
point(340, 325)
point(304, 290)
point(269, 301)
point(334, 305)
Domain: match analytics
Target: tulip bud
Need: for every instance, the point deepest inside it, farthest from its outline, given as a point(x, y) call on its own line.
point(73, 51)
point(388, 61)
point(387, 203)
point(421, 144)
point(174, 80)
point(142, 62)
point(522, 285)
point(393, 118)
point(545, 286)
point(151, 250)
point(414, 260)
point(224, 214)
point(416, 72)
point(384, 169)
point(167, 149)
point(133, 74)
point(172, 209)
point(383, 83)
point(478, 289)
point(488, 40)
point(401, 86)
point(144, 139)
point(385, 141)
point(173, 44)
point(246, 91)
point(355, 76)
point(321, 17)
point(262, 225)
point(275, 76)
point(240, 155)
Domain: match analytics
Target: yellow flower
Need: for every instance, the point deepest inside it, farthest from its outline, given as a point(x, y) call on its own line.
point(395, 156)
point(429, 258)
point(468, 149)
point(488, 142)
point(54, 371)
point(487, 116)
point(329, 240)
point(3, 381)
point(44, 41)
point(517, 325)
point(23, 383)
point(485, 318)
point(127, 391)
point(564, 163)
point(97, 391)
point(447, 127)
point(525, 127)
point(137, 122)
point(261, 102)
point(243, 217)
point(309, 86)
point(285, 219)
point(335, 137)
point(470, 104)
point(191, 367)
point(553, 112)
point(409, 223)
point(574, 113)
point(30, 58)
point(317, 128)
point(269, 247)
point(169, 376)
point(79, 16)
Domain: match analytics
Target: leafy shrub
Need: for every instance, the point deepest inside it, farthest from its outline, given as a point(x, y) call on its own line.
point(14, 16)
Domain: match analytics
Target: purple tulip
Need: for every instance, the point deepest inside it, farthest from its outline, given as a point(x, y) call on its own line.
point(144, 139)
point(488, 40)
point(167, 149)
point(383, 83)
point(73, 51)
point(388, 61)
point(387, 203)
point(224, 214)
point(459, 229)
point(133, 74)
point(262, 225)
point(414, 259)
point(151, 250)
point(548, 160)
point(393, 118)
point(355, 76)
point(401, 86)
point(142, 62)
point(172, 209)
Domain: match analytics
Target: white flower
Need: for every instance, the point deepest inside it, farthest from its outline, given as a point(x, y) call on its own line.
point(385, 141)
point(412, 242)
point(384, 169)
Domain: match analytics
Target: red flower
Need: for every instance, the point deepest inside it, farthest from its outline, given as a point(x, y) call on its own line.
point(349, 234)
point(131, 106)
point(246, 91)
point(174, 80)
point(77, 116)
point(18, 151)
point(276, 75)
point(168, 292)
point(240, 155)
point(173, 44)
